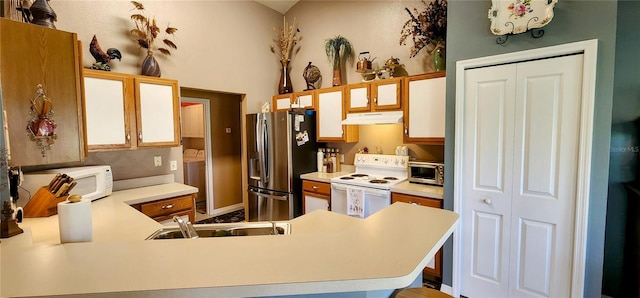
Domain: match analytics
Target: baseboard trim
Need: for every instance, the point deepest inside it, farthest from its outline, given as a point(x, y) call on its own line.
point(227, 209)
point(447, 289)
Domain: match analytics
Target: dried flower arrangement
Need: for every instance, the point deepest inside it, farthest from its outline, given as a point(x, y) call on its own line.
point(285, 39)
point(147, 31)
point(426, 27)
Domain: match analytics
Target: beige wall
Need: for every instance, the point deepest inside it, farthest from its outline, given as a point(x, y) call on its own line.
point(387, 137)
point(222, 45)
point(372, 26)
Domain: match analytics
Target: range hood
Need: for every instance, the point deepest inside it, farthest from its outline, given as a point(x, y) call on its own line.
point(373, 118)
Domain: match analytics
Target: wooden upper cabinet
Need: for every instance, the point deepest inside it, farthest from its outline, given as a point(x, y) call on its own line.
point(34, 55)
point(281, 102)
point(302, 99)
point(109, 110)
point(424, 108)
point(127, 111)
point(193, 121)
point(330, 113)
point(157, 112)
point(379, 95)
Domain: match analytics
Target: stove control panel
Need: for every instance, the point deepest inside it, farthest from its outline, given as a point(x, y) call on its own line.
point(380, 160)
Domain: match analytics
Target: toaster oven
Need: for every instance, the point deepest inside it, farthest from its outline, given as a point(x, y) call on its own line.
point(426, 172)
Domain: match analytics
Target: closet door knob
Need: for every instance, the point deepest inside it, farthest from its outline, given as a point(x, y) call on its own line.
point(487, 201)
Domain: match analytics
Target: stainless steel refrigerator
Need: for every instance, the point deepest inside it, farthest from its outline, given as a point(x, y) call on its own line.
point(280, 147)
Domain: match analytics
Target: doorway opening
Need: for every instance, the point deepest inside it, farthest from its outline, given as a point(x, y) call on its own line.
point(215, 138)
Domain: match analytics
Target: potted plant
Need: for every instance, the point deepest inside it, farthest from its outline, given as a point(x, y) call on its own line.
point(145, 33)
point(427, 28)
point(338, 49)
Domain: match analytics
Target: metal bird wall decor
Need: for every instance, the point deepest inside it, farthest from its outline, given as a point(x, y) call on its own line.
point(102, 58)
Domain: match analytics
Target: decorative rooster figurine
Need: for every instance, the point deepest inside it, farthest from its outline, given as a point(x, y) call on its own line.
point(101, 57)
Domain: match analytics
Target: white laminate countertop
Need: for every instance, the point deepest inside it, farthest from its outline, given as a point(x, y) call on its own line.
point(416, 189)
point(421, 190)
point(325, 252)
point(326, 177)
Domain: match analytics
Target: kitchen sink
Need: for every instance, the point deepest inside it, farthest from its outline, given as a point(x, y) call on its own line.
point(225, 230)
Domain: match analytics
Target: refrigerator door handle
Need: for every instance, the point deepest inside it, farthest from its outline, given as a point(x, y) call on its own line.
point(274, 197)
point(260, 149)
point(263, 154)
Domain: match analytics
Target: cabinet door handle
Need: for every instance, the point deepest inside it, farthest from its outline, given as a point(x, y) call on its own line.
point(167, 206)
point(487, 201)
point(368, 101)
point(128, 137)
point(406, 131)
point(140, 136)
point(315, 187)
point(375, 100)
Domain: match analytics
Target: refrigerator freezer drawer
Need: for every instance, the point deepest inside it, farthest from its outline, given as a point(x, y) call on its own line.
point(269, 205)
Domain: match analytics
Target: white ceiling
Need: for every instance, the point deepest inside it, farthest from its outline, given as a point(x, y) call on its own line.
point(278, 5)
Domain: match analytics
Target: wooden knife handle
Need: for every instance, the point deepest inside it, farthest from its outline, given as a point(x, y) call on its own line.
point(62, 189)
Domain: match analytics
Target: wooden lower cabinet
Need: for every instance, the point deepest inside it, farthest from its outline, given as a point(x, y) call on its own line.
point(315, 196)
point(165, 209)
point(434, 267)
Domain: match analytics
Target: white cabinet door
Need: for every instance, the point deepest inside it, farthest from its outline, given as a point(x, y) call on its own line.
point(283, 103)
point(386, 94)
point(312, 203)
point(157, 108)
point(521, 130)
point(330, 115)
point(358, 98)
point(305, 100)
point(427, 102)
point(105, 111)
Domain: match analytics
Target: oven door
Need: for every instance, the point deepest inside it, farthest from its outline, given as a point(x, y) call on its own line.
point(374, 199)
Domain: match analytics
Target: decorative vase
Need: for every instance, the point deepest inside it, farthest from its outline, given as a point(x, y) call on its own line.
point(285, 79)
point(337, 77)
point(43, 14)
point(150, 66)
point(337, 73)
point(439, 58)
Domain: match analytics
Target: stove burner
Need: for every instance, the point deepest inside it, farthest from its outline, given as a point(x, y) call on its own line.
point(359, 175)
point(346, 178)
point(390, 178)
point(378, 181)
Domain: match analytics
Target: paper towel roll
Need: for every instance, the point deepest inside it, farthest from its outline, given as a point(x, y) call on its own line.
point(75, 221)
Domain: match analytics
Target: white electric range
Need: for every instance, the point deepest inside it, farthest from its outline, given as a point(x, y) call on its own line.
point(371, 183)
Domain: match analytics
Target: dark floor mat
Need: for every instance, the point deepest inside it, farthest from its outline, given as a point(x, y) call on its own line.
point(235, 216)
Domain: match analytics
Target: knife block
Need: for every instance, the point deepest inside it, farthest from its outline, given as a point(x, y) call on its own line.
point(43, 203)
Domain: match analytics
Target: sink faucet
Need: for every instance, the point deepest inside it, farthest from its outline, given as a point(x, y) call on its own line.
point(186, 228)
point(275, 229)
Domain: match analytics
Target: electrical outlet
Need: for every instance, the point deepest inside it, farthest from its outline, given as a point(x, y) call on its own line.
point(157, 161)
point(173, 164)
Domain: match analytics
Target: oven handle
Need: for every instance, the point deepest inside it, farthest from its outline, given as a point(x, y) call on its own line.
point(369, 191)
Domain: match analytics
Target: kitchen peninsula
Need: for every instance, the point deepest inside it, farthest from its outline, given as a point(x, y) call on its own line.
point(325, 252)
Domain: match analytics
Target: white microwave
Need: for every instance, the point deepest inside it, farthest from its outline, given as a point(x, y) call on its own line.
point(93, 182)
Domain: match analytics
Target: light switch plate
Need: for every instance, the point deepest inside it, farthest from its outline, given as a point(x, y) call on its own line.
point(173, 164)
point(157, 161)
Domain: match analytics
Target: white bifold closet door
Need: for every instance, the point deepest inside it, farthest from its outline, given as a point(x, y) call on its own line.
point(521, 132)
